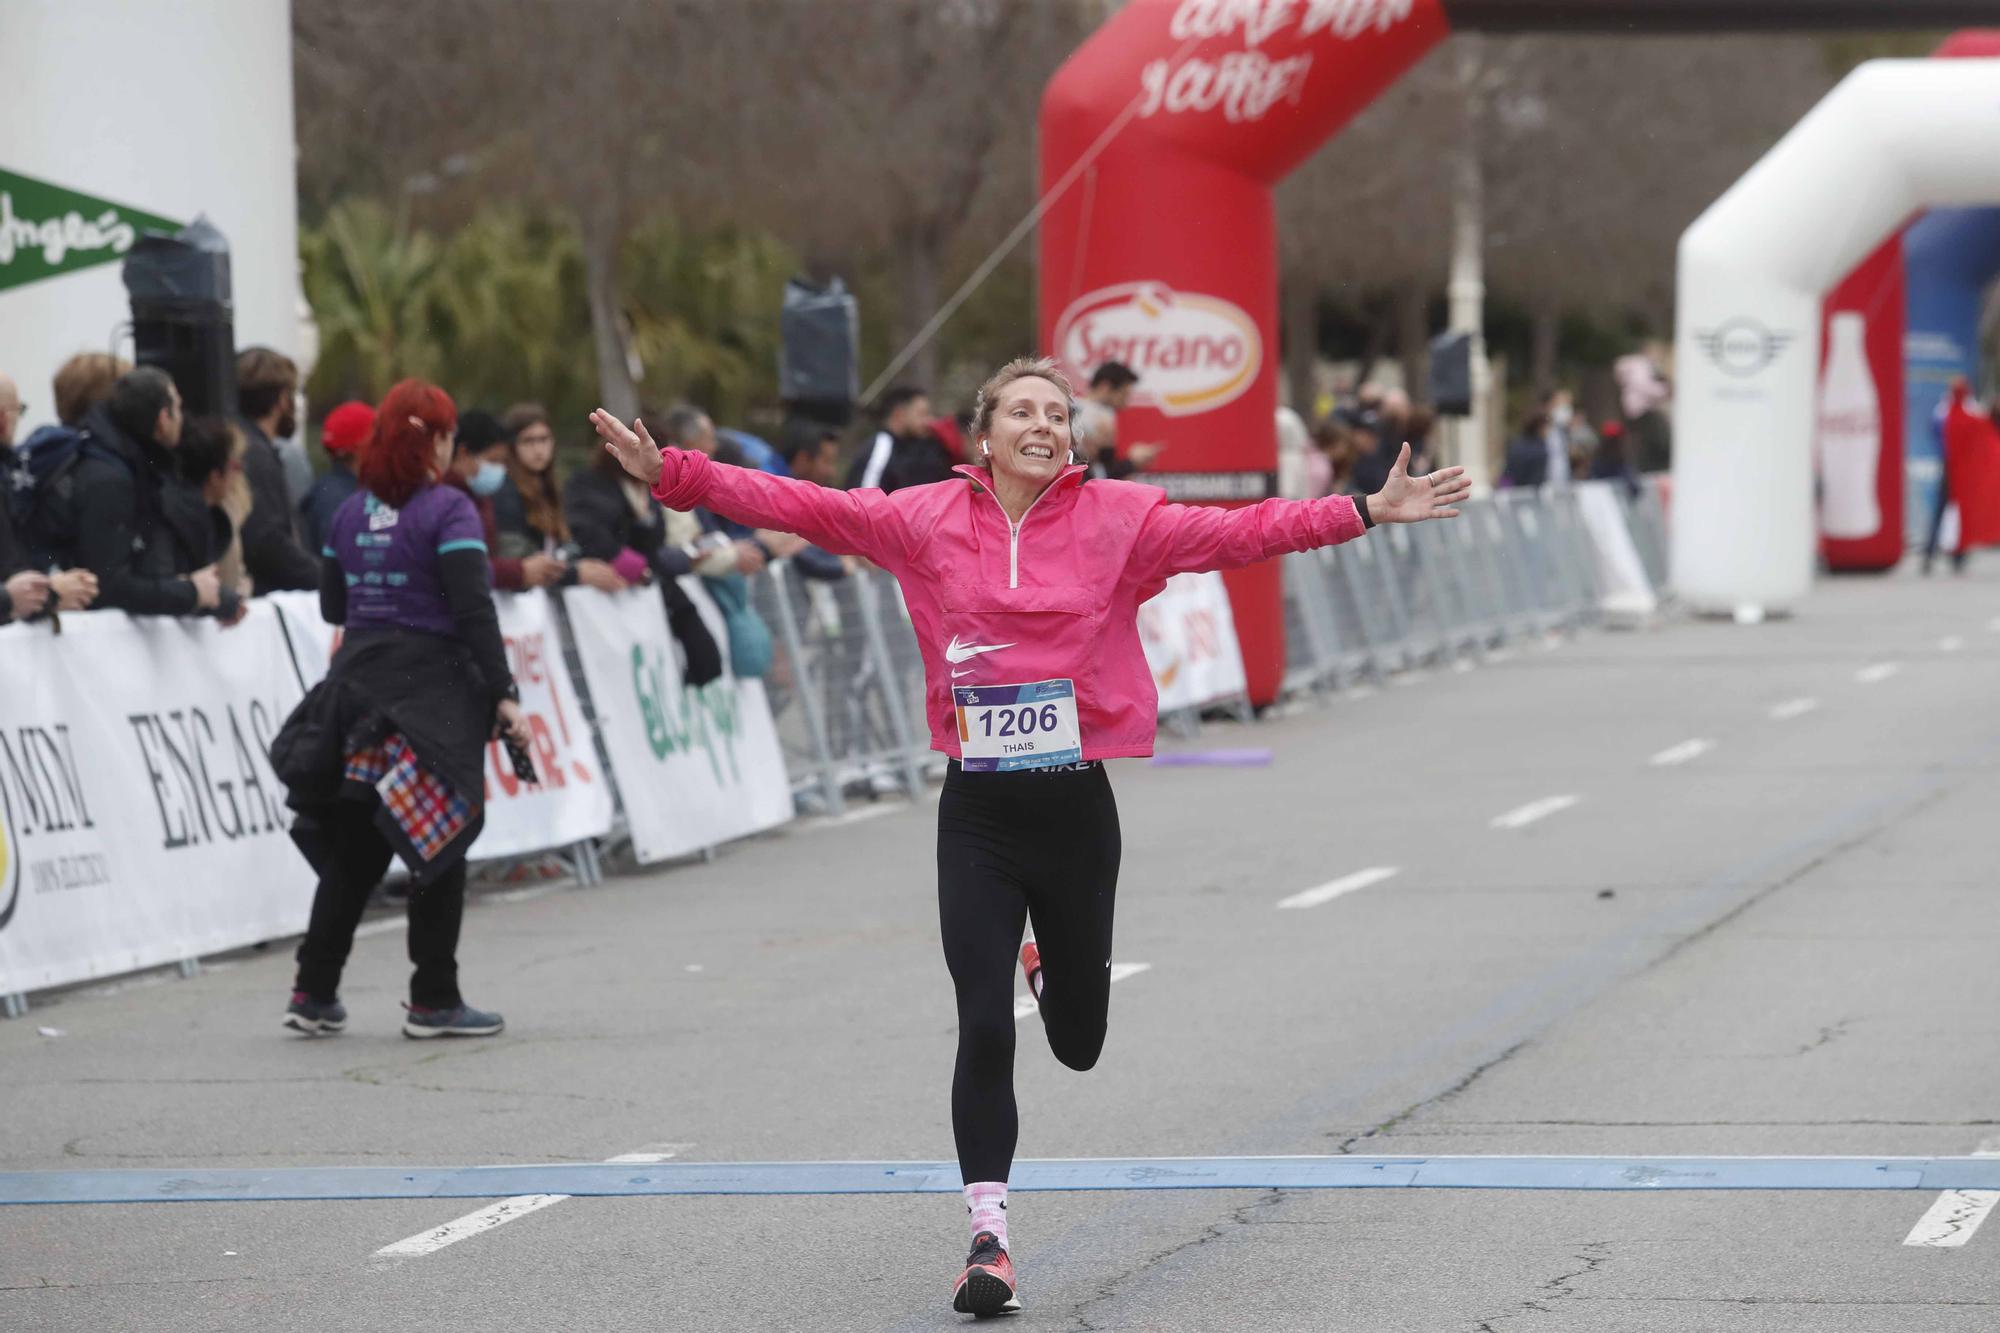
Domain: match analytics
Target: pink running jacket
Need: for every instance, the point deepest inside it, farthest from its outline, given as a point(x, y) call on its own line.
point(1055, 598)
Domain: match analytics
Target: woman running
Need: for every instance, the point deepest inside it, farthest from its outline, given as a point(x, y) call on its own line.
point(1024, 586)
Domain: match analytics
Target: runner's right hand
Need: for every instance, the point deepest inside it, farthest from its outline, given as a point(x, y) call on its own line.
point(631, 445)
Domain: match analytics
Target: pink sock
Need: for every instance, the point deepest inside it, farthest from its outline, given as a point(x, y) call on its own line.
point(986, 1200)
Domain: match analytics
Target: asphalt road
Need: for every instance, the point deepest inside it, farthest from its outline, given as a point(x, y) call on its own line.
point(1779, 944)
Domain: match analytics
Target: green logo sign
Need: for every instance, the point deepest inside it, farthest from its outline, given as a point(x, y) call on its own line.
point(46, 230)
point(705, 719)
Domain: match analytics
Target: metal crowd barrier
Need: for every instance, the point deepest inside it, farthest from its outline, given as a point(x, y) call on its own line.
point(1515, 566)
point(846, 684)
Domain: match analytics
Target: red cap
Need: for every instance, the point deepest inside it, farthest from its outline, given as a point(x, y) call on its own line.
point(347, 427)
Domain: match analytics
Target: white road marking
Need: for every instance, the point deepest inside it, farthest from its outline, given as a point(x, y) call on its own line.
point(1950, 643)
point(503, 1212)
point(1876, 674)
point(1026, 1004)
point(1346, 884)
point(1533, 811)
point(1956, 1214)
point(1680, 754)
point(472, 1224)
point(1792, 708)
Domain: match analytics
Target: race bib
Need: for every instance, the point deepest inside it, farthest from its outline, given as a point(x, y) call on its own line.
point(1005, 727)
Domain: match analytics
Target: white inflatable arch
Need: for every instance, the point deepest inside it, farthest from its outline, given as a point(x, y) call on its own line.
point(1895, 137)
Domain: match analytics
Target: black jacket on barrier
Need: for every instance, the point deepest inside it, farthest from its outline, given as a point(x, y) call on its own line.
point(603, 522)
point(136, 524)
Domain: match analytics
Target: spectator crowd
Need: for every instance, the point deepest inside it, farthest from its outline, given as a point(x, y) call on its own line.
point(128, 502)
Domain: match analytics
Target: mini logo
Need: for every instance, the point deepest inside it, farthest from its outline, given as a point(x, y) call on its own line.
point(1193, 353)
point(956, 652)
point(1741, 346)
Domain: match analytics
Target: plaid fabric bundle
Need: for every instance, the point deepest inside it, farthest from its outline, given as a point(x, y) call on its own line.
point(424, 808)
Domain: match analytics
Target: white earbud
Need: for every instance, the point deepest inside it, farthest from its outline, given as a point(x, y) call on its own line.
point(984, 451)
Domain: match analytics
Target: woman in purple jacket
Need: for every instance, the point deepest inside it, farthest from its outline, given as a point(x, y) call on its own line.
point(1023, 586)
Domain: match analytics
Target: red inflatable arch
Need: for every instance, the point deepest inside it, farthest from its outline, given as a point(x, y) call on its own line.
point(1161, 140)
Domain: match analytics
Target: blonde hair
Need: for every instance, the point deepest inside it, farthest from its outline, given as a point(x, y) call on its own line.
point(1022, 368)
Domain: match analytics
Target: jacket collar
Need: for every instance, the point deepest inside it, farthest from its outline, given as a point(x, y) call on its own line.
point(1070, 476)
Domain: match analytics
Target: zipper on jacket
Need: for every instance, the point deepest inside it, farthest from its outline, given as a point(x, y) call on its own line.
point(1014, 534)
point(1013, 528)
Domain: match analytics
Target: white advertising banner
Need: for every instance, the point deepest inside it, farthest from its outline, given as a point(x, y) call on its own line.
point(1189, 635)
point(140, 821)
point(572, 800)
point(696, 767)
point(1620, 572)
point(313, 640)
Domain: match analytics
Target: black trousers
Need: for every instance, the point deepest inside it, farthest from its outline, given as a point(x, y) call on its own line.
point(1937, 527)
point(1041, 846)
point(357, 858)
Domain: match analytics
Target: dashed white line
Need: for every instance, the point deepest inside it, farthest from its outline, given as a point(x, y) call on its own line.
point(503, 1212)
point(1532, 811)
point(1950, 643)
point(1346, 884)
point(1876, 674)
point(1792, 708)
point(1026, 1004)
point(1680, 754)
point(1956, 1214)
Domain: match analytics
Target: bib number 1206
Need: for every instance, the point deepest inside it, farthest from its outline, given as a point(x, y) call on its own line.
point(1023, 721)
point(1003, 727)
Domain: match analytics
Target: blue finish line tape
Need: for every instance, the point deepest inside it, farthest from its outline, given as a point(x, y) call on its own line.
point(1136, 1173)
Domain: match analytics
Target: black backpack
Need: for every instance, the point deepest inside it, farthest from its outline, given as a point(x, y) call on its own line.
point(41, 490)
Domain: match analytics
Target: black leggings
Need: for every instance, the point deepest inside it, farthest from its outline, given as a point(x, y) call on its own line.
point(1038, 845)
point(358, 857)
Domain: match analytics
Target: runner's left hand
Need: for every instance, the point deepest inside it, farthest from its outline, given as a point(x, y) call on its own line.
point(631, 445)
point(1407, 499)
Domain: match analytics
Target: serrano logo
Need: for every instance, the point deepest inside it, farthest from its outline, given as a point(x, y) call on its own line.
point(1193, 353)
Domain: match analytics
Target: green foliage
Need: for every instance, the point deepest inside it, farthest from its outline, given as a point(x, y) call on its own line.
point(496, 312)
point(704, 312)
point(370, 283)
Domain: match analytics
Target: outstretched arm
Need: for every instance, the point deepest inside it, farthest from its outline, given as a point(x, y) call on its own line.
point(863, 523)
point(1182, 539)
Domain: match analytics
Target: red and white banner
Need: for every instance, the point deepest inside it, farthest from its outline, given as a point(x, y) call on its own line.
point(572, 800)
point(1189, 633)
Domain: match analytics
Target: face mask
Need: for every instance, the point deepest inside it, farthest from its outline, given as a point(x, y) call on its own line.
point(1564, 415)
point(488, 479)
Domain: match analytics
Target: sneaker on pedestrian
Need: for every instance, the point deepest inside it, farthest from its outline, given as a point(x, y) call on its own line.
point(461, 1020)
point(986, 1287)
point(315, 1017)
